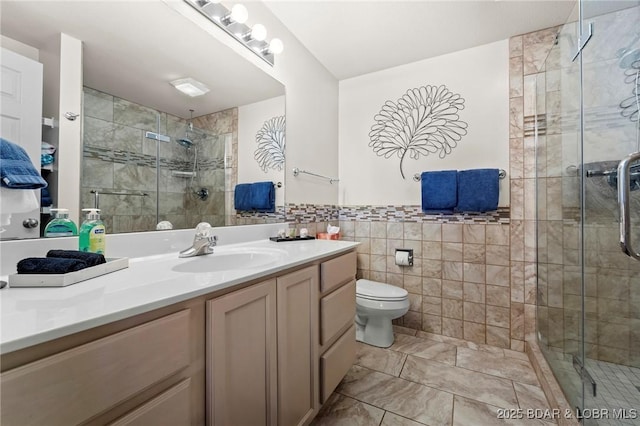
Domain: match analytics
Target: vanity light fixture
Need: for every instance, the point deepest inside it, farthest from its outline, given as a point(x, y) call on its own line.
point(233, 23)
point(190, 86)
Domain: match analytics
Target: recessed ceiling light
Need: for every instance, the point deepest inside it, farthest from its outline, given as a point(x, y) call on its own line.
point(190, 87)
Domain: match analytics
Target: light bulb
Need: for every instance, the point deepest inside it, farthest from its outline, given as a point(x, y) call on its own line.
point(276, 47)
point(258, 32)
point(239, 13)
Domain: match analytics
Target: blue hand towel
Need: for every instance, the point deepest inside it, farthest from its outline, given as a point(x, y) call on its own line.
point(16, 169)
point(263, 197)
point(242, 197)
point(439, 191)
point(478, 190)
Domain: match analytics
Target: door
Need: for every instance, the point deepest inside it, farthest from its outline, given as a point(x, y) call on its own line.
point(297, 346)
point(611, 132)
point(242, 358)
point(21, 116)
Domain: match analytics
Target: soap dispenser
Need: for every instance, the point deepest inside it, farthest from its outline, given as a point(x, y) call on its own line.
point(92, 233)
point(60, 225)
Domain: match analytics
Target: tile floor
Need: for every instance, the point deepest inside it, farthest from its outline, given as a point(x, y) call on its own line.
point(427, 379)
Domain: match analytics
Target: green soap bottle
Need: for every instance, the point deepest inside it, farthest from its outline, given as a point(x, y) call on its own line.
point(60, 225)
point(92, 233)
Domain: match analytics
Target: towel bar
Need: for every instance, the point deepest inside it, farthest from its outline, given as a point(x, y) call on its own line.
point(501, 174)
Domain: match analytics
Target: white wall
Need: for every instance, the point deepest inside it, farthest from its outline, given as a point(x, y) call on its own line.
point(480, 75)
point(311, 98)
point(20, 48)
point(250, 120)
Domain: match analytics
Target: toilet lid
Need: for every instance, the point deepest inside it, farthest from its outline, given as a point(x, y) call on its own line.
point(379, 291)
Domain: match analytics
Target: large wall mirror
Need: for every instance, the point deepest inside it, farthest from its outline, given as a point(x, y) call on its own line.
point(150, 153)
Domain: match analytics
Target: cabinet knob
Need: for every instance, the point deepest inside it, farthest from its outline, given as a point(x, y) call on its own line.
point(30, 223)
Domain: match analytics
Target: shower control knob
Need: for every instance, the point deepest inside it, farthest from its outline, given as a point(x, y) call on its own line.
point(30, 223)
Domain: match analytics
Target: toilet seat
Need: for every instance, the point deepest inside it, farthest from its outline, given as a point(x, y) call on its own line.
point(372, 290)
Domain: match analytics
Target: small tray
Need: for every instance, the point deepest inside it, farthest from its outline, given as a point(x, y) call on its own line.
point(281, 239)
point(63, 280)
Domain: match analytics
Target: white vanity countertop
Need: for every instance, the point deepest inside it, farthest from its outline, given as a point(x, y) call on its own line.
point(34, 315)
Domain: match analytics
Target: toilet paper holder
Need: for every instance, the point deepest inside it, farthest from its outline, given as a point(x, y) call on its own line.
point(404, 257)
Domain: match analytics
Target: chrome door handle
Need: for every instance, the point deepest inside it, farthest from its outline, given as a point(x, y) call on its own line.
point(30, 223)
point(623, 201)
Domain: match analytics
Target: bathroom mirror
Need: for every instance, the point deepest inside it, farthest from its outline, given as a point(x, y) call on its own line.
point(147, 155)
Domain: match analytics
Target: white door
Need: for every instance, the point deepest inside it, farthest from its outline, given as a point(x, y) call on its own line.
point(21, 116)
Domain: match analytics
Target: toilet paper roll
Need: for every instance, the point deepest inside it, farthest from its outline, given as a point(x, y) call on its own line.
point(402, 258)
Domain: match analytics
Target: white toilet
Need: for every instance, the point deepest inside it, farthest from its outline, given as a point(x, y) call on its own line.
point(376, 305)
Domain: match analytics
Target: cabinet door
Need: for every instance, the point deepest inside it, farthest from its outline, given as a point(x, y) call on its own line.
point(297, 346)
point(242, 357)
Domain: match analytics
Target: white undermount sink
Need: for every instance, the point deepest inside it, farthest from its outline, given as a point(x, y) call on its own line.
point(225, 259)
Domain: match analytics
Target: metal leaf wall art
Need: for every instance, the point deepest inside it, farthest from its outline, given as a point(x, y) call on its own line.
point(271, 144)
point(423, 121)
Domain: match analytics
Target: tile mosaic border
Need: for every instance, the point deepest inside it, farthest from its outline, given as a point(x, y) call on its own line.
point(310, 213)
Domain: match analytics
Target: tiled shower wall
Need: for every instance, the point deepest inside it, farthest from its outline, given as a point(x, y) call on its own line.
point(117, 157)
point(611, 290)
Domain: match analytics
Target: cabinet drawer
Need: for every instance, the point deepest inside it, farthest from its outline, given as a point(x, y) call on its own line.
point(171, 407)
point(335, 363)
point(336, 271)
point(72, 386)
point(336, 310)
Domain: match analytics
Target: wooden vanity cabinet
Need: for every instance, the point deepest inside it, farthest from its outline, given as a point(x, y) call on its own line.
point(141, 375)
point(262, 364)
point(337, 301)
point(267, 354)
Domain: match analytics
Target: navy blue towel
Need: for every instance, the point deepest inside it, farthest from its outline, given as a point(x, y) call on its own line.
point(242, 197)
point(49, 265)
point(478, 190)
point(91, 259)
point(16, 169)
point(439, 191)
point(263, 197)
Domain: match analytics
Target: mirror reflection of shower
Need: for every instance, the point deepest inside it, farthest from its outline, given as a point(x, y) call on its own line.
point(188, 143)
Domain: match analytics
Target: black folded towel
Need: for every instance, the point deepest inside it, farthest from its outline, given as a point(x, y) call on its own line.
point(49, 265)
point(91, 259)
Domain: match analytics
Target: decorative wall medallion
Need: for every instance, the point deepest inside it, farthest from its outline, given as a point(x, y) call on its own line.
point(423, 121)
point(631, 105)
point(271, 144)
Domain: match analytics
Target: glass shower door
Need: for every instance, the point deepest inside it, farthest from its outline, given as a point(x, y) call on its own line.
point(610, 100)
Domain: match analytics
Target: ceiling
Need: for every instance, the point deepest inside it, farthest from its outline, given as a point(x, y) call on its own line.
point(355, 37)
point(137, 61)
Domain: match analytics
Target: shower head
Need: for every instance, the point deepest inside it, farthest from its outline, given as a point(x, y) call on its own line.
point(185, 142)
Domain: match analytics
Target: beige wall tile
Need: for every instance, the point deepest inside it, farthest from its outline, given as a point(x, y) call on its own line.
point(362, 229)
point(451, 233)
point(378, 229)
point(517, 321)
point(432, 323)
point(498, 296)
point(432, 286)
point(378, 246)
point(412, 231)
point(431, 305)
point(432, 250)
point(515, 46)
point(497, 336)
point(452, 252)
point(474, 253)
point(473, 292)
point(452, 308)
point(474, 312)
point(395, 230)
point(498, 316)
point(432, 232)
point(452, 328)
point(497, 275)
point(516, 118)
point(413, 284)
point(497, 255)
point(474, 273)
point(452, 270)
point(474, 332)
point(452, 289)
point(473, 234)
point(515, 77)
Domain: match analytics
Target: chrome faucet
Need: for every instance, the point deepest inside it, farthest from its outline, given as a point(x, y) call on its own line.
point(203, 242)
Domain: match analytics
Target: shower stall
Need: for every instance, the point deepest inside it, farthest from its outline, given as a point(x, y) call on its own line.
point(143, 166)
point(587, 178)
